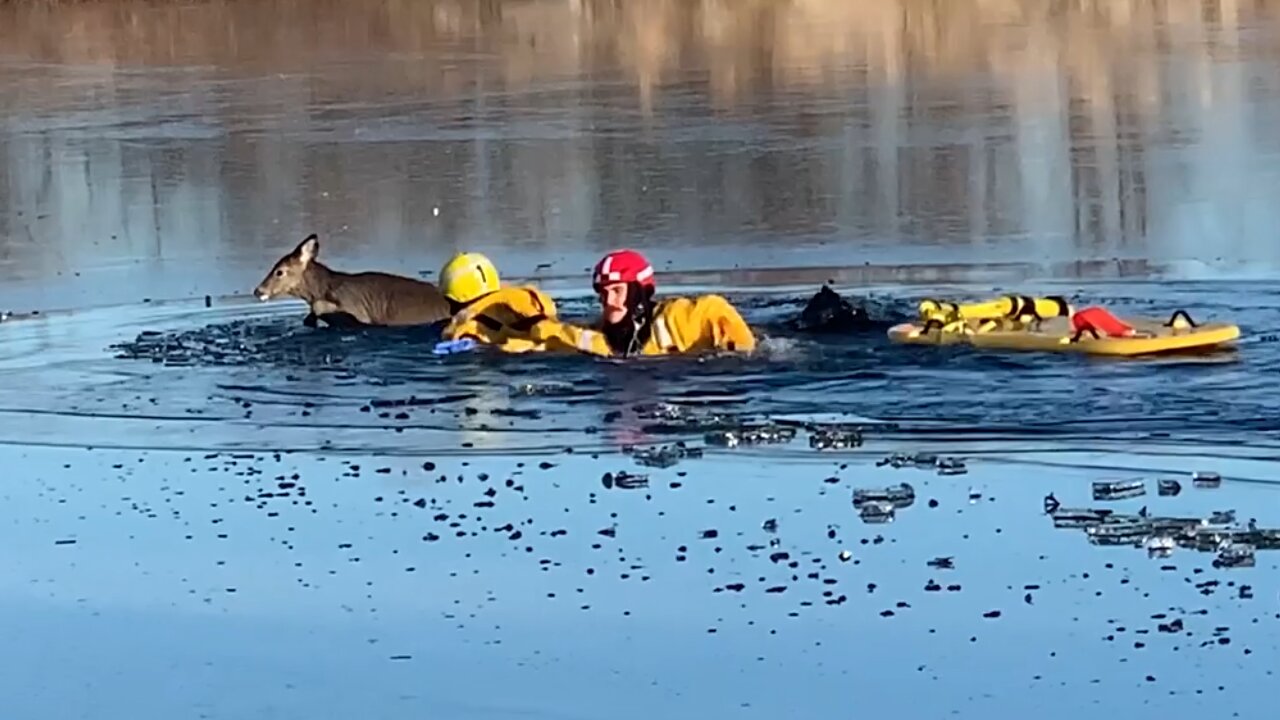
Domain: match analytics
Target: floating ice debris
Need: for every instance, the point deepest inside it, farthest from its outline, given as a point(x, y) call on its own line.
point(1051, 504)
point(548, 388)
point(1119, 533)
point(624, 481)
point(1078, 517)
point(676, 418)
point(661, 411)
point(1160, 546)
point(664, 456)
point(1233, 555)
point(1118, 489)
point(1206, 479)
point(235, 343)
point(1168, 488)
point(1160, 535)
point(944, 466)
point(834, 437)
point(415, 401)
point(899, 460)
point(1208, 538)
point(877, 512)
point(1222, 517)
point(751, 435)
point(899, 496)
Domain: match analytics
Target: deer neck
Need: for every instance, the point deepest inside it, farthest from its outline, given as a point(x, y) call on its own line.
point(317, 281)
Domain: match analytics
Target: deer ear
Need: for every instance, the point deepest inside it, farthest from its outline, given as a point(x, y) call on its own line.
point(308, 249)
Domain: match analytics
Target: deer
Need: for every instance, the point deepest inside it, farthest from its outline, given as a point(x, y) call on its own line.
point(342, 299)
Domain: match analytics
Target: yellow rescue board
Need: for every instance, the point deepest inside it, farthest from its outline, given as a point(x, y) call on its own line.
point(1056, 335)
point(918, 334)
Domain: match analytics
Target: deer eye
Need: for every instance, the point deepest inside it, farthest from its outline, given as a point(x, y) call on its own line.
point(280, 273)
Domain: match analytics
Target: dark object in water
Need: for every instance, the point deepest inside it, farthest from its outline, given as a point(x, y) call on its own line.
point(827, 312)
point(1118, 489)
point(1168, 488)
point(943, 563)
point(899, 496)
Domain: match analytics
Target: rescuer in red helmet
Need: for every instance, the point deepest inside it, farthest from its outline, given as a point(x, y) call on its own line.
point(633, 322)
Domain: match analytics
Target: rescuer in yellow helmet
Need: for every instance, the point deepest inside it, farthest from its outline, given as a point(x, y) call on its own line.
point(485, 311)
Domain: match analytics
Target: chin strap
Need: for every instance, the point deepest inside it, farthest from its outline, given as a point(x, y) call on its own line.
point(640, 314)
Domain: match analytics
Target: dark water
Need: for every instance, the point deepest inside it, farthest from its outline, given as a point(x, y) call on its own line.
point(216, 512)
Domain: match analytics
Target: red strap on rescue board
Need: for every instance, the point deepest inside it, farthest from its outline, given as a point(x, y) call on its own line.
point(1100, 321)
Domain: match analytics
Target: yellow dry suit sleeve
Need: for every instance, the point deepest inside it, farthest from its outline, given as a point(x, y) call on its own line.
point(504, 318)
point(708, 323)
point(560, 336)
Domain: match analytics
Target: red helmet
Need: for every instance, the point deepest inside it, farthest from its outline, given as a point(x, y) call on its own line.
point(623, 266)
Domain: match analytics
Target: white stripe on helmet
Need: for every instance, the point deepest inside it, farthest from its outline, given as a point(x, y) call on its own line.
point(608, 274)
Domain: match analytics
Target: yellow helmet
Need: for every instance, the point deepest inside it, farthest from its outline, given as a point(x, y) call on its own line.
point(468, 276)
